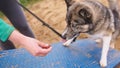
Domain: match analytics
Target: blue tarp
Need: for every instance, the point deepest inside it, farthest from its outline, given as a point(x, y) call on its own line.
point(81, 54)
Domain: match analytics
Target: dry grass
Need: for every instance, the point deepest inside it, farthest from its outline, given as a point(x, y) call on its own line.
point(52, 12)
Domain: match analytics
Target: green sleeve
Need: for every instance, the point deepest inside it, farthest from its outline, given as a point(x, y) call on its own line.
point(5, 30)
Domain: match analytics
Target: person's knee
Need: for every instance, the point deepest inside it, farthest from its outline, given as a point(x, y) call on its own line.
point(22, 27)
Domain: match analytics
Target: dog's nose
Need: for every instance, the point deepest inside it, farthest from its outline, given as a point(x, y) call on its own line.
point(63, 36)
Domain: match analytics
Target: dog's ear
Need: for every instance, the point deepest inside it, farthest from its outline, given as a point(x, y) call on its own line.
point(69, 2)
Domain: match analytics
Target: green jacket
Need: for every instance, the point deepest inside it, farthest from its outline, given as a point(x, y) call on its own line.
point(5, 30)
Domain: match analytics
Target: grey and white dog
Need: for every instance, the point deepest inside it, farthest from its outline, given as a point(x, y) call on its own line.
point(92, 17)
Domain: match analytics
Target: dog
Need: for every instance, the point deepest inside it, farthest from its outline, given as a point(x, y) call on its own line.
point(95, 19)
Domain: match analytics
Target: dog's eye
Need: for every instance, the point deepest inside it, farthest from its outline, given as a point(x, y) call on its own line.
point(74, 24)
point(84, 13)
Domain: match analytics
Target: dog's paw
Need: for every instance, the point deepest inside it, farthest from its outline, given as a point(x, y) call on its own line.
point(103, 63)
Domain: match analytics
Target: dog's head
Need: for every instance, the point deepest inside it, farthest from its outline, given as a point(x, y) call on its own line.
point(82, 16)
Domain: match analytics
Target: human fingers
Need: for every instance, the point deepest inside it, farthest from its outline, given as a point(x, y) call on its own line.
point(41, 51)
point(44, 45)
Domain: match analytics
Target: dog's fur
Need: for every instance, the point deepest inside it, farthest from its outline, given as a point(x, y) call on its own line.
point(92, 17)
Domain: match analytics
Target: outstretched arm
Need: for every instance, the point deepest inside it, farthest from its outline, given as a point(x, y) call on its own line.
point(34, 46)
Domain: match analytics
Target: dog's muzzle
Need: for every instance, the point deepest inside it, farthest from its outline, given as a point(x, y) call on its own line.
point(68, 42)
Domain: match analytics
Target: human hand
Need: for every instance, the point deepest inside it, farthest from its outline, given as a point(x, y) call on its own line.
point(34, 46)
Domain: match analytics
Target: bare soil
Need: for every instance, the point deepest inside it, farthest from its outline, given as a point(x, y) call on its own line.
point(53, 12)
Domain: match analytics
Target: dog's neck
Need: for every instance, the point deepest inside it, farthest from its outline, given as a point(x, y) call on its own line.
point(108, 24)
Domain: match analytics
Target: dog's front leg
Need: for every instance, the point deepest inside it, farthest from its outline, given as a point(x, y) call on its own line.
point(106, 43)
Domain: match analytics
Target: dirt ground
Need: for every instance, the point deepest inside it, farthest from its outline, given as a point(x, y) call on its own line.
point(53, 12)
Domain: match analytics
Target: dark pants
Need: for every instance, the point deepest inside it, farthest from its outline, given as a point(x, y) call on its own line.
point(14, 13)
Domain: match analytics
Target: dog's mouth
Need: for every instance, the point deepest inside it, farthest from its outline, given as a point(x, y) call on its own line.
point(68, 42)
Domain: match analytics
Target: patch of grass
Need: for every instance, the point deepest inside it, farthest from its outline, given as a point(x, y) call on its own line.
point(28, 2)
point(1, 14)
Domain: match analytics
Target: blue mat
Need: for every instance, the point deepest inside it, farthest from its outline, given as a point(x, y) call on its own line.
point(81, 54)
